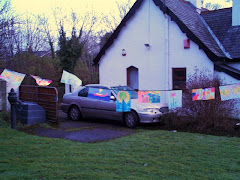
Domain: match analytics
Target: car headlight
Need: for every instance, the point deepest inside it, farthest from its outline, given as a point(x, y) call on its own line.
point(151, 110)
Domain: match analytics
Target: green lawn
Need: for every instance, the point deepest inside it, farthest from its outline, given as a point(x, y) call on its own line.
point(148, 154)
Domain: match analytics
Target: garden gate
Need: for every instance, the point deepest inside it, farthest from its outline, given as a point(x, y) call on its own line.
point(47, 97)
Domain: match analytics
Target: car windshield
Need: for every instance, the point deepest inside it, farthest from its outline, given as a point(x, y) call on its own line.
point(134, 94)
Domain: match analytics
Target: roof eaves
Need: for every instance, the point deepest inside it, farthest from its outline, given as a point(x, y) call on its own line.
point(228, 70)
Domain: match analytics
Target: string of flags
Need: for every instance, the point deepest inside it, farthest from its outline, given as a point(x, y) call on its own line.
point(69, 78)
point(149, 96)
point(230, 92)
point(40, 81)
point(123, 100)
point(12, 77)
point(203, 94)
point(17, 78)
point(123, 103)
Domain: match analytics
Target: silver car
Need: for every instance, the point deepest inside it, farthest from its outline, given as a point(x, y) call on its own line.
point(77, 105)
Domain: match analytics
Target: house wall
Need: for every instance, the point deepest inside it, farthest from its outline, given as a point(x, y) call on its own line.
point(149, 25)
point(227, 79)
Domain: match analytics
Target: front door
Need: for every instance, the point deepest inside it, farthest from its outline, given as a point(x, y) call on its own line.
point(132, 77)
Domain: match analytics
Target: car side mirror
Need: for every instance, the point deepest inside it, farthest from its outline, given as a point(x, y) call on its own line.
point(112, 98)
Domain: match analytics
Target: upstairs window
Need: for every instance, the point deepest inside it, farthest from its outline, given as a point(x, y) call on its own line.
point(179, 78)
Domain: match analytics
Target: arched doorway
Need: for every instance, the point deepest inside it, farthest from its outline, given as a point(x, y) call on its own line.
point(132, 77)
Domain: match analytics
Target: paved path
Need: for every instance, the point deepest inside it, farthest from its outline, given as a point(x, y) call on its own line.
point(84, 131)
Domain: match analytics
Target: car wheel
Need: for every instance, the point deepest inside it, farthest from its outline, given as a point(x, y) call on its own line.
point(74, 113)
point(131, 119)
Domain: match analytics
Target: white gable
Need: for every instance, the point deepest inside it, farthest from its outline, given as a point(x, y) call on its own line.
point(150, 26)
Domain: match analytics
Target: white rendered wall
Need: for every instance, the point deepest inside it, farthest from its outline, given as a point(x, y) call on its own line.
point(226, 78)
point(150, 27)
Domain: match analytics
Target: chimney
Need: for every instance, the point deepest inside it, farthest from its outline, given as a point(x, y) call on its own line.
point(196, 3)
point(236, 13)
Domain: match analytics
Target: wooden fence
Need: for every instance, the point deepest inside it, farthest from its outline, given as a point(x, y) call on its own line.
point(47, 97)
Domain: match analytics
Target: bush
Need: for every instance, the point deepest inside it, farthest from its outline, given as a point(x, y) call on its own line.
point(207, 115)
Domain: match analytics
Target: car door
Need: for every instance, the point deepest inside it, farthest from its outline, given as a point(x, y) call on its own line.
point(107, 109)
point(87, 105)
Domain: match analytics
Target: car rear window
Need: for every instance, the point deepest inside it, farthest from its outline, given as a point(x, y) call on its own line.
point(134, 94)
point(83, 92)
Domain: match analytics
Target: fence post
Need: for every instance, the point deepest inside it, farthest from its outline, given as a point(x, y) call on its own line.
point(12, 98)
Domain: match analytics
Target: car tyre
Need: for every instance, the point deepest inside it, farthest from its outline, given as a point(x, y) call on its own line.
point(74, 113)
point(131, 119)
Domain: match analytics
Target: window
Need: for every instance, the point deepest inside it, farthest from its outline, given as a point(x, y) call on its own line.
point(179, 78)
point(83, 92)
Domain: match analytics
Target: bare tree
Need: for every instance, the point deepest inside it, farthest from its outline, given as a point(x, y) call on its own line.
point(49, 33)
point(34, 36)
point(214, 6)
point(7, 21)
point(114, 18)
point(28, 34)
point(211, 6)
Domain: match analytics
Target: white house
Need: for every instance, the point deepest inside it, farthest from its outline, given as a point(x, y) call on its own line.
point(160, 42)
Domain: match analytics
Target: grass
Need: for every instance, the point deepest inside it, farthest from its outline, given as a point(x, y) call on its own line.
point(148, 154)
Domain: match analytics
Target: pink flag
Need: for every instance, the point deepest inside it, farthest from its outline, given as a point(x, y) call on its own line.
point(42, 82)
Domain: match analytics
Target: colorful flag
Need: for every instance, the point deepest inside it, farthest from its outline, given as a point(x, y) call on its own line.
point(68, 78)
point(149, 96)
point(174, 99)
point(40, 81)
point(123, 103)
point(100, 94)
point(203, 94)
point(230, 92)
point(12, 77)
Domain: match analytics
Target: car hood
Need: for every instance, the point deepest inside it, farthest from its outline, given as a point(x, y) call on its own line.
point(139, 106)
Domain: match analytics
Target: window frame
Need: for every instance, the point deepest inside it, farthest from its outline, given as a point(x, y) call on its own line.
point(179, 79)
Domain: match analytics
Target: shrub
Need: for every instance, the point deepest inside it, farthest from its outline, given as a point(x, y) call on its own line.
point(207, 115)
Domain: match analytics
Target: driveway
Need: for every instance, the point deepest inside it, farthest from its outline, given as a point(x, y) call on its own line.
point(88, 131)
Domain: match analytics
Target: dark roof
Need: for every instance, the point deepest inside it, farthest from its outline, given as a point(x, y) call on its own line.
point(220, 21)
